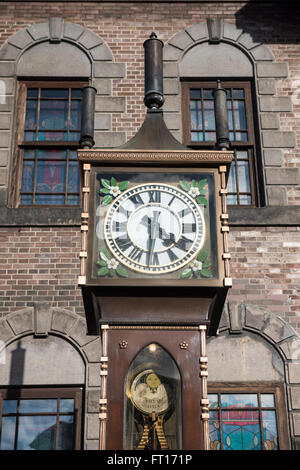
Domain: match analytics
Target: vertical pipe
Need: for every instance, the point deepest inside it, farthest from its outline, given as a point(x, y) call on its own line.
point(103, 398)
point(87, 117)
point(153, 72)
point(221, 117)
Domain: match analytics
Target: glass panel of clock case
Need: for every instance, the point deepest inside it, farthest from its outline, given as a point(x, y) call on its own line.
point(154, 224)
point(153, 402)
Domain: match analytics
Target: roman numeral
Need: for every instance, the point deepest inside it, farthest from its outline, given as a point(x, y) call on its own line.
point(185, 212)
point(171, 255)
point(137, 199)
point(135, 254)
point(171, 201)
point(123, 211)
point(120, 226)
point(188, 228)
point(154, 196)
point(123, 242)
point(184, 243)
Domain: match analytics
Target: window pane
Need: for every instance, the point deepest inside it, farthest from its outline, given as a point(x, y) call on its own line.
point(53, 115)
point(244, 177)
point(28, 176)
point(37, 433)
point(213, 400)
point(267, 400)
point(73, 200)
point(65, 433)
point(231, 185)
point(270, 430)
point(52, 136)
point(73, 177)
point(29, 136)
point(75, 117)
point(52, 154)
point(214, 430)
point(210, 136)
point(238, 93)
point(32, 92)
point(50, 200)
point(38, 405)
point(241, 430)
point(240, 115)
point(51, 177)
point(196, 94)
point(209, 119)
point(8, 430)
point(207, 94)
point(31, 114)
point(245, 199)
point(55, 93)
point(241, 154)
point(66, 405)
point(26, 200)
point(76, 93)
point(10, 406)
point(231, 199)
point(239, 400)
point(241, 136)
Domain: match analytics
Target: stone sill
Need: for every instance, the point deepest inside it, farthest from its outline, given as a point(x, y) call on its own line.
point(71, 216)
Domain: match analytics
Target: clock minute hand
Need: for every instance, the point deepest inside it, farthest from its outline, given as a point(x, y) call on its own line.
point(153, 227)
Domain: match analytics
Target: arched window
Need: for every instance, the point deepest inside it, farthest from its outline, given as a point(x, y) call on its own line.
point(153, 402)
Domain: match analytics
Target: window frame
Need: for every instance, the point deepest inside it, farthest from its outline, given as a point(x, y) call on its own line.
point(251, 144)
point(46, 393)
point(19, 144)
point(277, 389)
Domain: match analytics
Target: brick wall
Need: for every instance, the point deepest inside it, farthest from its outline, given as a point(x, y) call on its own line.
point(43, 262)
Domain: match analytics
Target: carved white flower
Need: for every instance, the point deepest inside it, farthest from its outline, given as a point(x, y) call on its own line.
point(114, 190)
point(196, 265)
point(194, 191)
point(112, 263)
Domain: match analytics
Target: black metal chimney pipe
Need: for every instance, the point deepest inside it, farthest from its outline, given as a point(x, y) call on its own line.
point(154, 97)
point(88, 117)
point(221, 117)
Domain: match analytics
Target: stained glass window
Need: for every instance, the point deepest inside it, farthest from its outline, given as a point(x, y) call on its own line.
point(50, 174)
point(243, 421)
point(200, 132)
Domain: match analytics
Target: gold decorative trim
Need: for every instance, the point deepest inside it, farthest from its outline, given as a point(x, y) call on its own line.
point(86, 167)
point(152, 327)
point(228, 282)
point(157, 156)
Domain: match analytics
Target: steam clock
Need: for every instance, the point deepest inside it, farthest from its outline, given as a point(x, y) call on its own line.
point(154, 272)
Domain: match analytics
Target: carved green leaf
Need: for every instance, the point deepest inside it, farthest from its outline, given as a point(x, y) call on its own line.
point(206, 273)
point(111, 272)
point(186, 273)
point(106, 200)
point(202, 256)
point(103, 271)
point(194, 183)
point(101, 262)
point(185, 185)
point(121, 271)
point(104, 191)
point(113, 181)
point(105, 183)
point(123, 185)
point(104, 255)
point(202, 183)
point(201, 200)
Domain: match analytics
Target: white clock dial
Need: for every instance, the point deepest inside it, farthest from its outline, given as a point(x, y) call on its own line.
point(154, 228)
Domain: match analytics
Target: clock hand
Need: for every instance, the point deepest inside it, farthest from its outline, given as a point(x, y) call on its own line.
point(153, 227)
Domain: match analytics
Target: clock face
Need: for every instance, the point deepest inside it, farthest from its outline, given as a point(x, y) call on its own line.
point(154, 228)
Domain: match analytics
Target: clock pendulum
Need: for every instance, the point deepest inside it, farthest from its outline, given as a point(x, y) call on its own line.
point(149, 396)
